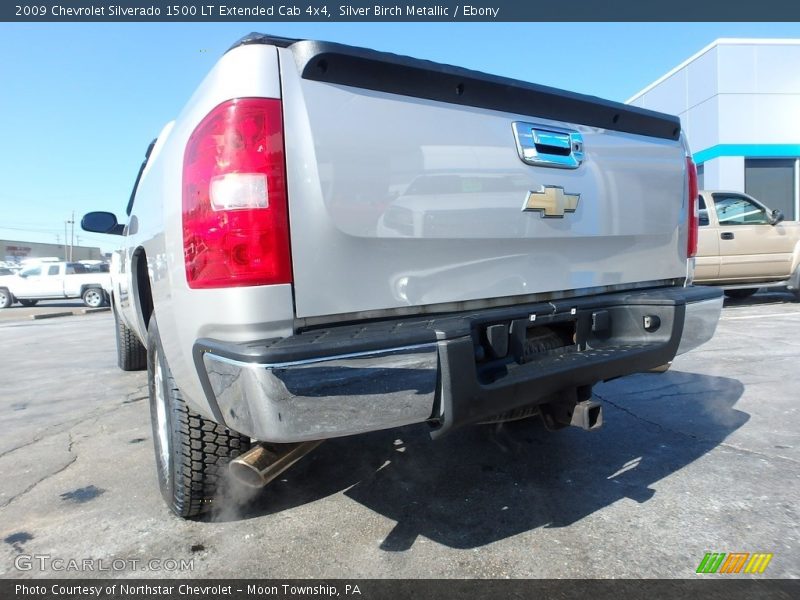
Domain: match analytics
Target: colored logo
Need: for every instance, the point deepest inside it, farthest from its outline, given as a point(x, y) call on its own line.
point(552, 202)
point(735, 562)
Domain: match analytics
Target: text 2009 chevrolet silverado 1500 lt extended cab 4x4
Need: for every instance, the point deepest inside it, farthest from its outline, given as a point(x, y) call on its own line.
point(743, 245)
point(330, 240)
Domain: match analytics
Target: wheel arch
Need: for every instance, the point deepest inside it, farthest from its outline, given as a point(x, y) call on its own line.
point(142, 290)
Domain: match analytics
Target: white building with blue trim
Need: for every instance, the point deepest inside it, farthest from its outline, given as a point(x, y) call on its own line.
point(739, 105)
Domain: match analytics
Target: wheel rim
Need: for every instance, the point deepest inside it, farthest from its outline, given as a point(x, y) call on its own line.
point(3, 298)
point(93, 298)
point(161, 416)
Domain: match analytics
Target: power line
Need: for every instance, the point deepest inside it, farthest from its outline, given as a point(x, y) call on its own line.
point(57, 234)
point(30, 229)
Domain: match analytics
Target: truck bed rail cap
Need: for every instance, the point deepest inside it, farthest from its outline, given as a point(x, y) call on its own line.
point(396, 74)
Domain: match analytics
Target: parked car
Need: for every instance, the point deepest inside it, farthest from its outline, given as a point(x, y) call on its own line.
point(526, 253)
point(54, 281)
point(744, 246)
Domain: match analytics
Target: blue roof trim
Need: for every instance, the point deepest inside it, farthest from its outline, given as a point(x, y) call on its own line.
point(748, 150)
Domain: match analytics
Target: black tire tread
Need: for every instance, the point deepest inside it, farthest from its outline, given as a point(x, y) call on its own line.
point(205, 450)
point(200, 448)
point(131, 354)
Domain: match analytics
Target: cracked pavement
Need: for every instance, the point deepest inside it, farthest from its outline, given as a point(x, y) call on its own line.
point(703, 458)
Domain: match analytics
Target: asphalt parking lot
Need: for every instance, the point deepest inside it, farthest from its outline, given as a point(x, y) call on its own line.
point(703, 458)
point(48, 309)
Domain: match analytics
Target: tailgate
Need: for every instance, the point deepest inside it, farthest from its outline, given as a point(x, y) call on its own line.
point(407, 186)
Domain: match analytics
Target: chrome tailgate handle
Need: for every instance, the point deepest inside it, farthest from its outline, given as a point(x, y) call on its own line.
point(547, 146)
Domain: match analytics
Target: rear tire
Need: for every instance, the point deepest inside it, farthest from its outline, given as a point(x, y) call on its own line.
point(6, 299)
point(94, 297)
point(740, 294)
point(29, 302)
point(192, 452)
point(131, 354)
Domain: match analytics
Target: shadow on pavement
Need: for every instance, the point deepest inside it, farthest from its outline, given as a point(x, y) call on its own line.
point(764, 297)
point(486, 483)
point(50, 304)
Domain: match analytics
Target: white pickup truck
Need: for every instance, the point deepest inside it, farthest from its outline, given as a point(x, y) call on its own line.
point(55, 281)
point(330, 240)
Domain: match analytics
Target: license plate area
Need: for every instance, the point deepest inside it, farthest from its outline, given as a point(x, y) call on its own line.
point(502, 346)
point(541, 341)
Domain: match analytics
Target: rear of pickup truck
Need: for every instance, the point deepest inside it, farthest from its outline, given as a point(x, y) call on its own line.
point(334, 240)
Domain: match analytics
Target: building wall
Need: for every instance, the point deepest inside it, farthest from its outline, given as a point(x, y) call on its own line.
point(738, 101)
point(17, 251)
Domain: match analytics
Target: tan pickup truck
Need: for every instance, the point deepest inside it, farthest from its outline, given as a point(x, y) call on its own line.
point(744, 246)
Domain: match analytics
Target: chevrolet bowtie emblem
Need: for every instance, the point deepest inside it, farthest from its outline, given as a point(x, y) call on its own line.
point(552, 202)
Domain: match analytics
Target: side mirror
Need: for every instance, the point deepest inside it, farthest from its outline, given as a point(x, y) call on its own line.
point(101, 222)
point(776, 217)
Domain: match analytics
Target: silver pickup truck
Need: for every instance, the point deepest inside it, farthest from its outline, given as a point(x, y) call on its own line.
point(330, 240)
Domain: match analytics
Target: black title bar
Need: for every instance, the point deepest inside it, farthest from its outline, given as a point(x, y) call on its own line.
point(733, 588)
point(389, 11)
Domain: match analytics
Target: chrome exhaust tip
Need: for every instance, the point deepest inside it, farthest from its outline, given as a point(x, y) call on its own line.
point(264, 462)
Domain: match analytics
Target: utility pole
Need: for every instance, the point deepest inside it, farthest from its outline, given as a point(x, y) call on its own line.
point(72, 240)
point(65, 239)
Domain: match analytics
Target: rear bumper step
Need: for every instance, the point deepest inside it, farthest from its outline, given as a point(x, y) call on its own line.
point(450, 370)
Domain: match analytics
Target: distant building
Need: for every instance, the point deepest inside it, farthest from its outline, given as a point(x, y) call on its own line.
point(16, 251)
point(739, 102)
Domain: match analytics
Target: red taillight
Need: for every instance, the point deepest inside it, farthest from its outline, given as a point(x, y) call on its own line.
point(235, 215)
point(691, 176)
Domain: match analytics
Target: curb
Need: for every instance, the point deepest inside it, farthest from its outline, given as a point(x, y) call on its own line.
point(50, 315)
point(82, 311)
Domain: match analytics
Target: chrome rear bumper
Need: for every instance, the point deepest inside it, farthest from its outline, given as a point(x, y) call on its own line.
point(700, 323)
point(322, 398)
point(355, 379)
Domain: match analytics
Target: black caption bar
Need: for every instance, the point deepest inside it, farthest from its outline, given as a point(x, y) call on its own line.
point(406, 11)
point(398, 589)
